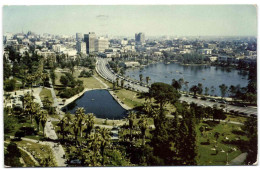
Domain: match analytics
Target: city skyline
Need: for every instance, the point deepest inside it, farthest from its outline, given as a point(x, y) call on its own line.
point(154, 20)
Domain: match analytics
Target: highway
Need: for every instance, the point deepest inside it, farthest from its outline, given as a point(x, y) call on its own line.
point(105, 72)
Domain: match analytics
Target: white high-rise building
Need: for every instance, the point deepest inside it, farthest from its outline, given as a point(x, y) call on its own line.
point(101, 44)
point(81, 47)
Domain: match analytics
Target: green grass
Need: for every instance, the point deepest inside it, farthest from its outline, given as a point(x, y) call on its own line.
point(27, 160)
point(130, 98)
point(40, 151)
point(236, 118)
point(207, 156)
point(91, 82)
point(46, 93)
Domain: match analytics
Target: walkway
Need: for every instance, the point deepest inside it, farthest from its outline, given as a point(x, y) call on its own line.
point(239, 160)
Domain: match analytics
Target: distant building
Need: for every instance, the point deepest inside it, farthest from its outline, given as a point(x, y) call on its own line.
point(81, 47)
point(90, 42)
point(56, 48)
point(140, 38)
point(213, 58)
point(205, 51)
point(79, 36)
point(131, 64)
point(101, 44)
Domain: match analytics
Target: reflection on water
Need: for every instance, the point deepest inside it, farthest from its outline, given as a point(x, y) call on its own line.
point(99, 102)
point(194, 74)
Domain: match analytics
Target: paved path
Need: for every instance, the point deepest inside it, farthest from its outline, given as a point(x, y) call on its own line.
point(58, 151)
point(239, 160)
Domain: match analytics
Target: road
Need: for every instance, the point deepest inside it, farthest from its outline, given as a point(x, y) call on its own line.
point(104, 71)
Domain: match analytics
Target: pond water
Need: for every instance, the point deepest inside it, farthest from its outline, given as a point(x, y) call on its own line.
point(207, 75)
point(99, 102)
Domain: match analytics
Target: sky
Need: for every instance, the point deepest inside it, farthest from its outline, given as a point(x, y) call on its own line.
point(126, 20)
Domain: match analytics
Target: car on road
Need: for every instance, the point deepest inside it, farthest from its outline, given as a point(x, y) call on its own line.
point(213, 100)
point(195, 97)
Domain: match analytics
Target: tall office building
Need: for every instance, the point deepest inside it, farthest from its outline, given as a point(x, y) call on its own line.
point(101, 44)
point(81, 47)
point(90, 41)
point(140, 38)
point(79, 37)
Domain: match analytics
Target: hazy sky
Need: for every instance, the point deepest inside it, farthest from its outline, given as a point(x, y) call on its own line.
point(181, 20)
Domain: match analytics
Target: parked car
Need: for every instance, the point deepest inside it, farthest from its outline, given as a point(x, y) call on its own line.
point(212, 100)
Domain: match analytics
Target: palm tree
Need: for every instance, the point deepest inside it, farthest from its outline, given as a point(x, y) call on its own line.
point(143, 124)
point(117, 81)
point(212, 90)
point(147, 79)
point(223, 89)
point(131, 118)
point(43, 119)
point(75, 128)
point(37, 119)
point(89, 119)
point(80, 115)
point(141, 77)
point(105, 140)
point(186, 83)
point(94, 144)
point(122, 83)
point(63, 123)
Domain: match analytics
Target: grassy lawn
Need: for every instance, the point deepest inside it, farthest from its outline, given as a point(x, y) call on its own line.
point(208, 156)
point(91, 82)
point(46, 93)
point(236, 118)
point(37, 150)
point(27, 160)
point(130, 98)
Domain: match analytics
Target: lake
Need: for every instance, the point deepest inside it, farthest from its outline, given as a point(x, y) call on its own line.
point(99, 102)
point(194, 74)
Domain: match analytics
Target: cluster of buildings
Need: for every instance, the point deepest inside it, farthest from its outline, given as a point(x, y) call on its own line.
point(139, 48)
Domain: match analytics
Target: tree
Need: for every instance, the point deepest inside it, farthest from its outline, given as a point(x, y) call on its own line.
point(131, 119)
point(9, 85)
point(194, 89)
point(105, 140)
point(163, 94)
point(117, 82)
point(223, 89)
point(75, 128)
point(122, 83)
point(147, 79)
point(12, 157)
point(176, 84)
point(250, 128)
point(206, 91)
point(141, 77)
point(43, 120)
point(200, 88)
point(9, 122)
point(212, 90)
point(64, 80)
point(80, 115)
point(143, 125)
point(89, 119)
